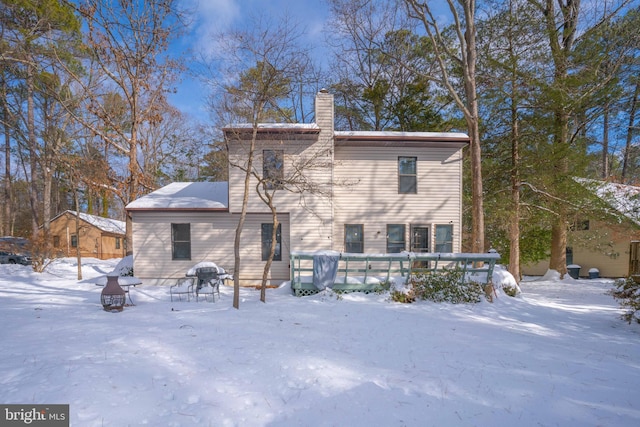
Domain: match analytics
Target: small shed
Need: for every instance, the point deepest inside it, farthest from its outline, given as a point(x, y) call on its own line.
point(98, 237)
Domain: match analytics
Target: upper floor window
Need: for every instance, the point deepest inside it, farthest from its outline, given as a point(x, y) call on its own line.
point(444, 238)
point(74, 240)
point(395, 238)
point(407, 175)
point(56, 241)
point(267, 238)
point(181, 241)
point(354, 238)
point(273, 168)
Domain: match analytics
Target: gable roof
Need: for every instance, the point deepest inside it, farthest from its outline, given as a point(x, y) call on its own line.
point(107, 225)
point(625, 199)
point(185, 196)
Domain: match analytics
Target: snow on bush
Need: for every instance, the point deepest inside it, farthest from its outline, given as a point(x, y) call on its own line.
point(627, 293)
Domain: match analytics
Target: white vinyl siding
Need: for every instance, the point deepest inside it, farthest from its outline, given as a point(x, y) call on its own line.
point(312, 214)
point(251, 264)
point(212, 237)
point(371, 194)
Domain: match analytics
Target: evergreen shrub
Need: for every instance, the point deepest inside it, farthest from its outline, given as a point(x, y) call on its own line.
point(447, 285)
point(627, 293)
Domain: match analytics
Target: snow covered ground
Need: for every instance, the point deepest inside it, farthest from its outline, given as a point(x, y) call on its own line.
point(558, 355)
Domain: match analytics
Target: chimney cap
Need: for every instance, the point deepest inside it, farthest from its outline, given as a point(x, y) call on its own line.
point(324, 90)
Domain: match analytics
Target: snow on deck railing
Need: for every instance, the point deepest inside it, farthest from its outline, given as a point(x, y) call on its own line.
point(361, 272)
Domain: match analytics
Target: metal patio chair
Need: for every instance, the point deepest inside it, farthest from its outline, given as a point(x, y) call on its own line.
point(208, 283)
point(184, 287)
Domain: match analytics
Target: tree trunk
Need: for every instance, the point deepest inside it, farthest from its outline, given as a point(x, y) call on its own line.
point(6, 223)
point(78, 254)
point(558, 260)
point(477, 199)
point(514, 220)
point(32, 143)
point(605, 142)
point(561, 37)
point(241, 220)
point(466, 58)
point(272, 251)
point(630, 130)
point(46, 210)
point(134, 181)
point(477, 208)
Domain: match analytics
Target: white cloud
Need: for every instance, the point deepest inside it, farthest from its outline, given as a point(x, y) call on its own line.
point(210, 17)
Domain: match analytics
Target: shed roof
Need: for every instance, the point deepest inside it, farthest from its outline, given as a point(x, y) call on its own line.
point(185, 196)
point(107, 225)
point(625, 199)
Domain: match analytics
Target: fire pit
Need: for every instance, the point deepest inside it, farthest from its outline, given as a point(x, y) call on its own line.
point(113, 296)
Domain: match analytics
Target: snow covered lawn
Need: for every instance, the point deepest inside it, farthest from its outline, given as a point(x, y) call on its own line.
point(558, 355)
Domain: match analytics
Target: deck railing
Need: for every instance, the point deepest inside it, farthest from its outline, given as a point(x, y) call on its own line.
point(372, 272)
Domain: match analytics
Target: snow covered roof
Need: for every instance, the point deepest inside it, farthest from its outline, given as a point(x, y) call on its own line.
point(623, 198)
point(105, 224)
point(401, 135)
point(185, 195)
point(396, 139)
point(274, 127)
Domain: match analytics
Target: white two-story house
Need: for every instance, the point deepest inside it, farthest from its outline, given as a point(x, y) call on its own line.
point(367, 192)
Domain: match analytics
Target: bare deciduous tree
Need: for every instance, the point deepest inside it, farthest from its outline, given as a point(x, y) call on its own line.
point(462, 56)
point(129, 45)
point(263, 69)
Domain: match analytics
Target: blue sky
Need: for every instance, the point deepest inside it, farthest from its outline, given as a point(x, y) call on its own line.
point(211, 17)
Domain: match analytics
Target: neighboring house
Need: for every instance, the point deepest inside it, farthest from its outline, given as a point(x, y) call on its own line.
point(593, 243)
point(369, 192)
point(98, 237)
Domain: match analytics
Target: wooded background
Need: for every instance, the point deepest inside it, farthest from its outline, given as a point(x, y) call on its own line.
point(546, 89)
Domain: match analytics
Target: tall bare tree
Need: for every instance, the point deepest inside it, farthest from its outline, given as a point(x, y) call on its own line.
point(264, 66)
point(379, 70)
point(462, 56)
point(129, 44)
